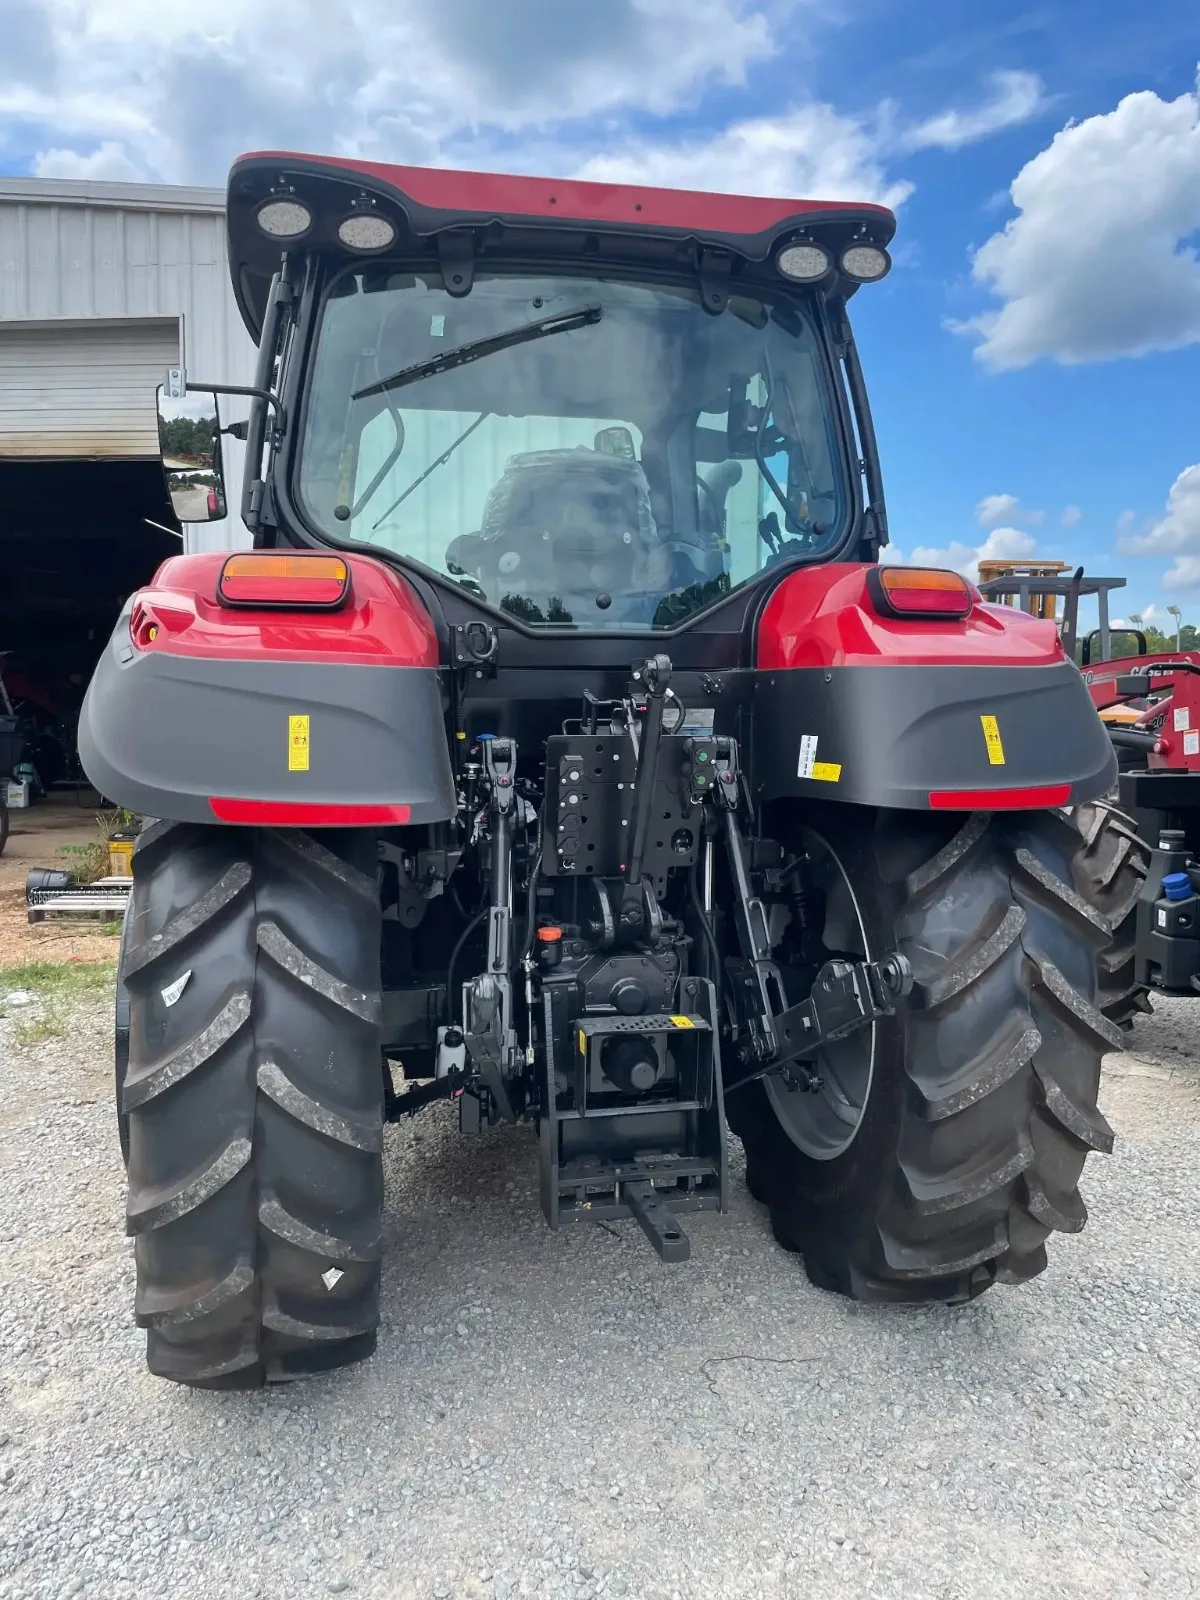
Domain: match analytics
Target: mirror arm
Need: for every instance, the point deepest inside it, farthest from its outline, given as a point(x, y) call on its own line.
point(248, 390)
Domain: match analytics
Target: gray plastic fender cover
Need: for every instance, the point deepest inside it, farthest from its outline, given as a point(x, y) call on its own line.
point(888, 735)
point(165, 734)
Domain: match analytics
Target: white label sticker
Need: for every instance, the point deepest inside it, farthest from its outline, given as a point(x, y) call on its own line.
point(1162, 919)
point(332, 1278)
point(437, 327)
point(1191, 744)
point(808, 754)
point(1183, 720)
point(173, 990)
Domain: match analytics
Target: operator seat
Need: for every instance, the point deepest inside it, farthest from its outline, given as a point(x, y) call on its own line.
point(575, 524)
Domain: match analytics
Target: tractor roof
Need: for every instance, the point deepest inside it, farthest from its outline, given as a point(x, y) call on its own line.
point(427, 202)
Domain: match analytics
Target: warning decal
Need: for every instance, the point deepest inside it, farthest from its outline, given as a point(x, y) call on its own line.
point(682, 1022)
point(991, 733)
point(808, 755)
point(298, 736)
point(826, 771)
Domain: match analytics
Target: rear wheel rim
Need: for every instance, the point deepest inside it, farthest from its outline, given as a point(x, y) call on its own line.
point(825, 1124)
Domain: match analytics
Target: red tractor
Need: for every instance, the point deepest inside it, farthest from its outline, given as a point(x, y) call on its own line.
point(561, 749)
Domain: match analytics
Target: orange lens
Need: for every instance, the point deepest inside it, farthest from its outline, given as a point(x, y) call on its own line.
point(262, 565)
point(262, 578)
point(923, 591)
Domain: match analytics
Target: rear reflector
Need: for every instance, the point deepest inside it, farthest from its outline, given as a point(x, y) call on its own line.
point(920, 592)
point(301, 814)
point(1049, 794)
point(291, 582)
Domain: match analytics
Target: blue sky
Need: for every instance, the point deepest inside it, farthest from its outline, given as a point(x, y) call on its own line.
point(1033, 358)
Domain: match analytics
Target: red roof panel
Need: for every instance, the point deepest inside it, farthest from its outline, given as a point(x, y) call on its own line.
point(504, 195)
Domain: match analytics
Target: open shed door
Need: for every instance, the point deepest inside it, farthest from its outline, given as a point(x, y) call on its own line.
point(83, 390)
point(85, 517)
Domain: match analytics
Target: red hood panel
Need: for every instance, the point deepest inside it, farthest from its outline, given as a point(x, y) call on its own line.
point(823, 617)
point(382, 624)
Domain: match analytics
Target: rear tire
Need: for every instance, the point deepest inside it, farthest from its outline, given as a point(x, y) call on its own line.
point(1109, 872)
point(981, 1105)
point(254, 1101)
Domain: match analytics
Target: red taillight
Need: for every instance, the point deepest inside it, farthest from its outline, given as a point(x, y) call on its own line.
point(306, 814)
point(1036, 799)
point(921, 593)
point(143, 629)
point(290, 582)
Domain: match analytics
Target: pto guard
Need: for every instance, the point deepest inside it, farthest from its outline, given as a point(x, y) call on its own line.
point(288, 717)
point(985, 713)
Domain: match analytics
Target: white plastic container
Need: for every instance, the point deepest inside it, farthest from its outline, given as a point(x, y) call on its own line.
point(17, 794)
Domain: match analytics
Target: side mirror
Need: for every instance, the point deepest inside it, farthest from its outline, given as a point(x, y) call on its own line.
point(189, 439)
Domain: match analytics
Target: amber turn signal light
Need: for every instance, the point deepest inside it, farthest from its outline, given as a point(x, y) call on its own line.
point(920, 593)
point(288, 582)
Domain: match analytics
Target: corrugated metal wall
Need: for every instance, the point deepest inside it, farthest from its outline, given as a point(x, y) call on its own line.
point(76, 251)
point(83, 389)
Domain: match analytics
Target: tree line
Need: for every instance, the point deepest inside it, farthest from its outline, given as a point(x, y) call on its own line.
point(188, 438)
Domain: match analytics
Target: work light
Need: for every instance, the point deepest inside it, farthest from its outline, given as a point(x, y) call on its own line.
point(284, 217)
point(865, 263)
point(803, 263)
point(365, 229)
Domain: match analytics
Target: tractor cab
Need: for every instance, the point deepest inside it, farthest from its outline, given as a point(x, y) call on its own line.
point(585, 408)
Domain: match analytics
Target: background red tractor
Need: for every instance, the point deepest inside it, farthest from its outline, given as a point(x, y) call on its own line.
point(562, 750)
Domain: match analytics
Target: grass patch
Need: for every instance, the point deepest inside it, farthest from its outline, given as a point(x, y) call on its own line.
point(46, 1024)
point(55, 983)
point(65, 980)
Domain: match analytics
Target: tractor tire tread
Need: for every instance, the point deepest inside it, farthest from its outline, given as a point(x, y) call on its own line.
point(258, 1077)
point(984, 1122)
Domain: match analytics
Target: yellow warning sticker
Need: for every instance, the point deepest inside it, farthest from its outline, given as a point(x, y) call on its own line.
point(298, 731)
point(995, 748)
point(682, 1022)
point(582, 1042)
point(826, 771)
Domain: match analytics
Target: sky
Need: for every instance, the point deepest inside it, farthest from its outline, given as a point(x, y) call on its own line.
point(1034, 356)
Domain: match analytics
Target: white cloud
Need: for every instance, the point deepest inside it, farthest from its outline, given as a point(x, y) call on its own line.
point(1100, 260)
point(1016, 97)
point(1001, 544)
point(1071, 516)
point(812, 150)
point(1176, 533)
point(190, 87)
point(1184, 573)
point(995, 509)
point(109, 160)
point(512, 84)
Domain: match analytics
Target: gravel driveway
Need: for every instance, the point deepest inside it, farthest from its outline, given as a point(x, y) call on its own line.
point(566, 1416)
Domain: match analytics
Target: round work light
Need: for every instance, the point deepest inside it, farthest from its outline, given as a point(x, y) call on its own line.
point(865, 263)
point(284, 217)
point(803, 263)
point(366, 231)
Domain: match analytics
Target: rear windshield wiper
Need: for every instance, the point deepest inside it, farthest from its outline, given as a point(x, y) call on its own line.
point(563, 322)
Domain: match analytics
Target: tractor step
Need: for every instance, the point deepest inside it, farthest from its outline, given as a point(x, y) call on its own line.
point(604, 1159)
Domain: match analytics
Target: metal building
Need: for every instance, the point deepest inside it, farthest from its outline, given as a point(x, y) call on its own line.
point(103, 286)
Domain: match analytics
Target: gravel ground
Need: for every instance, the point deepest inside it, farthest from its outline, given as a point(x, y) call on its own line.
point(564, 1416)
